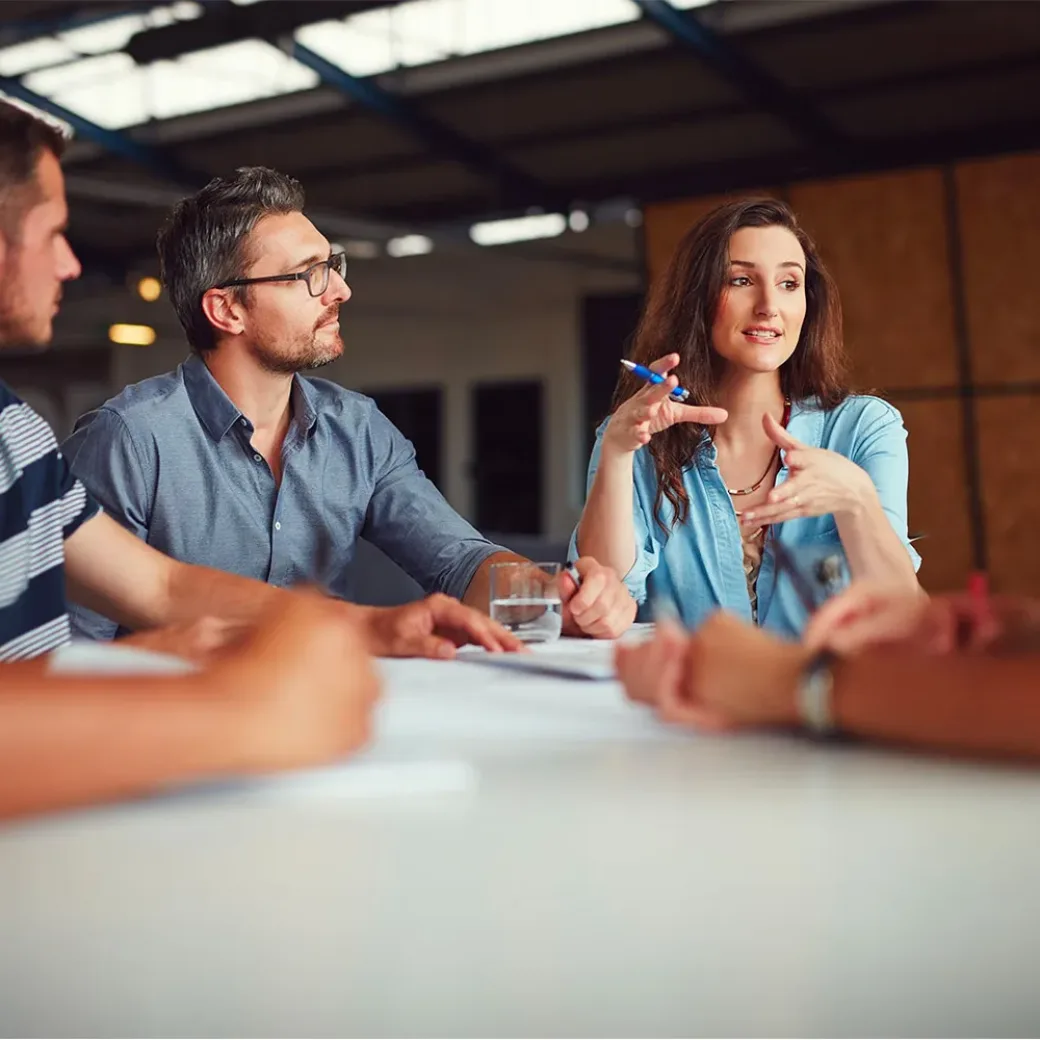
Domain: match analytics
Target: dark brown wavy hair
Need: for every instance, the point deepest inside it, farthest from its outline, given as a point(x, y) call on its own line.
point(678, 318)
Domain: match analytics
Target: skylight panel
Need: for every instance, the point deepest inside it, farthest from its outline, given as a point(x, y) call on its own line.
point(114, 92)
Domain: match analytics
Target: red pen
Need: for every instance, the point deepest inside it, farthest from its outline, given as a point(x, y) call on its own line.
point(981, 614)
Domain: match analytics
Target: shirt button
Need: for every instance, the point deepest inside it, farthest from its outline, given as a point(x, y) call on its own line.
point(243, 422)
point(258, 458)
point(277, 525)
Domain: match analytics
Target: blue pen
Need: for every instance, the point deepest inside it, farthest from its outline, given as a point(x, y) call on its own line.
point(678, 394)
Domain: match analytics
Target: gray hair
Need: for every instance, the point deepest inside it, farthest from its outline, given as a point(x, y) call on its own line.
point(204, 241)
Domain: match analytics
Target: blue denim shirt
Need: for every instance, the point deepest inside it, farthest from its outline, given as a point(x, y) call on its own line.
point(698, 566)
point(170, 458)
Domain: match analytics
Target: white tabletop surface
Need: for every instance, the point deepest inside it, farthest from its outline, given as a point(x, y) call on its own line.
point(521, 855)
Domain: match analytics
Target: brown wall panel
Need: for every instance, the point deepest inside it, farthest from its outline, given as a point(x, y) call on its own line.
point(999, 204)
point(1009, 447)
point(665, 223)
point(937, 496)
point(884, 239)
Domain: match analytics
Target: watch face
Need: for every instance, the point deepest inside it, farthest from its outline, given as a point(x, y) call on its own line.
point(814, 694)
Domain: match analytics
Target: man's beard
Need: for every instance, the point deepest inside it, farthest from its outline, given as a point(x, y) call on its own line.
point(16, 318)
point(305, 355)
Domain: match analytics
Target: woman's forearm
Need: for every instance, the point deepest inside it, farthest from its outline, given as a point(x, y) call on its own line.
point(874, 551)
point(606, 530)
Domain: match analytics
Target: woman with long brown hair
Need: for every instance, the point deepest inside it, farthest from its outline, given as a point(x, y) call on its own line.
point(687, 502)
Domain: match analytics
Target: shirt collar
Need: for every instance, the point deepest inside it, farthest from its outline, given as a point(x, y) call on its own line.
point(304, 403)
point(806, 422)
point(218, 413)
point(214, 408)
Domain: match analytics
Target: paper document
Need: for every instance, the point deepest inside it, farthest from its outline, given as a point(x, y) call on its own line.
point(568, 658)
point(114, 659)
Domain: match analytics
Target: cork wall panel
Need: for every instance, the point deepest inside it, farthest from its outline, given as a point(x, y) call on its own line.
point(937, 494)
point(884, 239)
point(999, 208)
point(666, 222)
point(1009, 447)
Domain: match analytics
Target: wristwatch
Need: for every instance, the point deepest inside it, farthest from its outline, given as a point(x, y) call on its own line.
point(816, 695)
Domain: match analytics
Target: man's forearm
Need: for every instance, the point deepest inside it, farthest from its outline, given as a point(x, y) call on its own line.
point(197, 591)
point(961, 702)
point(478, 592)
point(68, 741)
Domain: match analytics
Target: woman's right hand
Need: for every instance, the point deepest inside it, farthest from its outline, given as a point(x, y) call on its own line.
point(651, 410)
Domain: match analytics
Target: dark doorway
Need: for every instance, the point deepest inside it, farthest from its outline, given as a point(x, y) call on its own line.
point(608, 324)
point(417, 414)
point(507, 468)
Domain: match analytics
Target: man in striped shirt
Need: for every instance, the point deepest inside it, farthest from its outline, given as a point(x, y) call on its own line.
point(41, 505)
point(297, 687)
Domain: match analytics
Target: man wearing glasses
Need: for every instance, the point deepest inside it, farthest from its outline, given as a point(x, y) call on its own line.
point(236, 461)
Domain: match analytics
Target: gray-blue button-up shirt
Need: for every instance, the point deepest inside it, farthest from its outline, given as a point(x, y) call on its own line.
point(171, 459)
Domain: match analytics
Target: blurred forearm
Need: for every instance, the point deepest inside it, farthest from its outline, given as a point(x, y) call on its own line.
point(68, 741)
point(971, 703)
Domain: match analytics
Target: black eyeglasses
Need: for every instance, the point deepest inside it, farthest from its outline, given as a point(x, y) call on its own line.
point(316, 276)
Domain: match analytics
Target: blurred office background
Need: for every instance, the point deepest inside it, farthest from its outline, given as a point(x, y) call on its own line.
point(507, 176)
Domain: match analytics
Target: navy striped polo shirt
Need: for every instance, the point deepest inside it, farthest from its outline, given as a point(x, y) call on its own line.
point(41, 504)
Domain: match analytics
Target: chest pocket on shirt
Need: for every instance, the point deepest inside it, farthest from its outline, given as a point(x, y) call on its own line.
point(820, 557)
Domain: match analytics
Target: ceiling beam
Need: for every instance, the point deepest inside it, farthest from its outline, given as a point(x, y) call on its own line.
point(516, 186)
point(875, 155)
point(760, 89)
point(151, 158)
point(158, 197)
point(274, 22)
point(224, 22)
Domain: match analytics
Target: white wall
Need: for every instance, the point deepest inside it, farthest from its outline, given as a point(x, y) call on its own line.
point(448, 320)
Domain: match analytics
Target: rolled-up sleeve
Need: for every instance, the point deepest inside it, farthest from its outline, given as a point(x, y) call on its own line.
point(412, 522)
point(648, 534)
point(103, 455)
point(881, 451)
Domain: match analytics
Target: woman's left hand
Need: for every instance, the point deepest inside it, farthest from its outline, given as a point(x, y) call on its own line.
point(819, 482)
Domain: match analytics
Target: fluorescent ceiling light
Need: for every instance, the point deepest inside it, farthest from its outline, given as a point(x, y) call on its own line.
point(359, 249)
point(409, 245)
point(132, 335)
point(418, 32)
point(518, 229)
point(33, 54)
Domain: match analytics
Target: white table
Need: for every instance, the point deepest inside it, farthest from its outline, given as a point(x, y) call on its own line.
point(529, 856)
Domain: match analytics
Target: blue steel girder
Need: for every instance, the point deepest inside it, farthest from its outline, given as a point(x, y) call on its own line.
point(153, 159)
point(517, 186)
point(762, 90)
